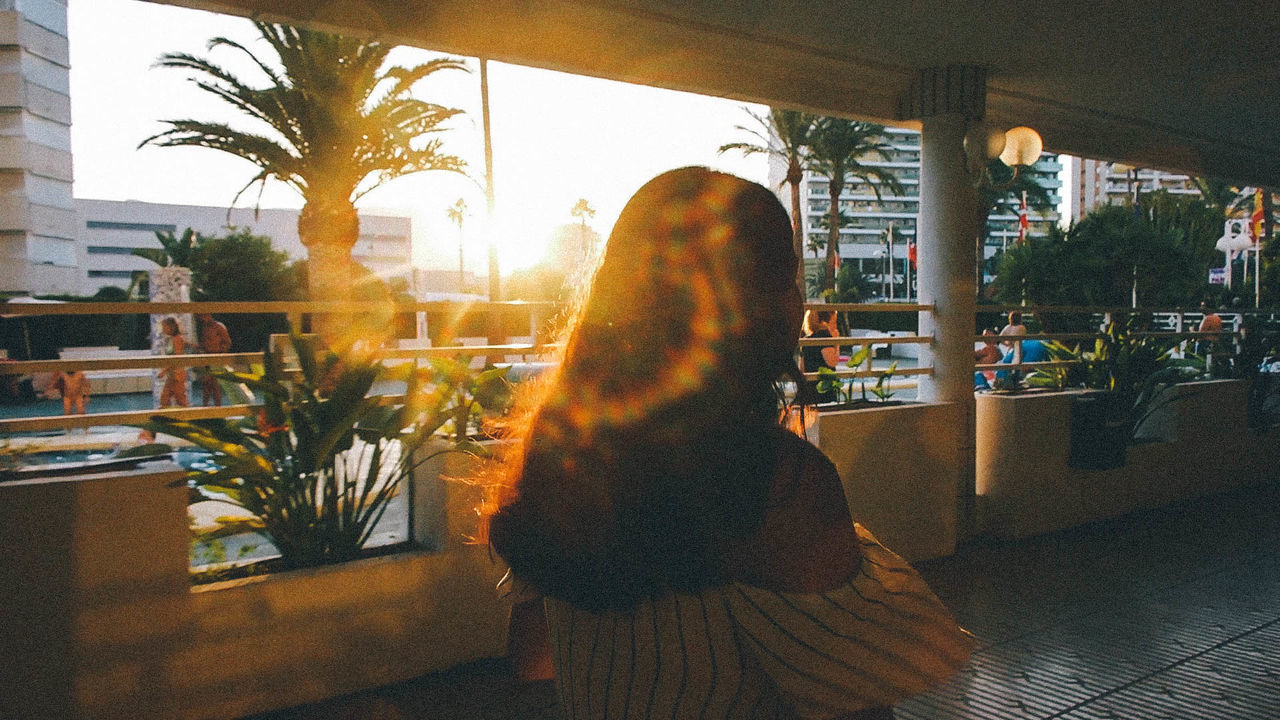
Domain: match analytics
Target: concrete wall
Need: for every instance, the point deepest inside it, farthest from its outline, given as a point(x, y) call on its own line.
point(98, 618)
point(1025, 487)
point(899, 484)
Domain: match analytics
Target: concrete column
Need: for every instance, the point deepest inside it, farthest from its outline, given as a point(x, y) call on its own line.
point(944, 249)
point(946, 100)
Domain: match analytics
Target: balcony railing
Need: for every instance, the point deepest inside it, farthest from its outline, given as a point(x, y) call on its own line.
point(534, 344)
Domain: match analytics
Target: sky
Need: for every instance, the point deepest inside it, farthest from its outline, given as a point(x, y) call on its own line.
point(556, 137)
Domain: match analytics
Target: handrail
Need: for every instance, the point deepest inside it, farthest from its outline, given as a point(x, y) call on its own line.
point(872, 373)
point(1118, 310)
point(1093, 335)
point(275, 307)
point(18, 367)
point(869, 307)
point(867, 340)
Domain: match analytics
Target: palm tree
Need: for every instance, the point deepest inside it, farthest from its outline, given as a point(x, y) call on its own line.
point(997, 183)
point(583, 210)
point(457, 213)
point(838, 149)
point(174, 251)
point(783, 134)
point(333, 124)
point(1226, 199)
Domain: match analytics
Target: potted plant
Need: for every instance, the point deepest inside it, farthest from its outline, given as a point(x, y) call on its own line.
point(318, 464)
point(829, 382)
point(1133, 376)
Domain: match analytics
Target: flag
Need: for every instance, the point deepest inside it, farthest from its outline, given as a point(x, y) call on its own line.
point(1255, 221)
point(834, 261)
point(911, 253)
point(1022, 219)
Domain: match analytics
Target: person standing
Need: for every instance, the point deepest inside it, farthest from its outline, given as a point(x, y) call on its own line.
point(694, 559)
point(174, 391)
point(214, 338)
point(820, 324)
point(1210, 323)
point(1013, 329)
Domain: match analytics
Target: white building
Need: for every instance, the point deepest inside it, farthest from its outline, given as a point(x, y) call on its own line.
point(108, 231)
point(37, 218)
point(1098, 182)
point(51, 243)
point(863, 238)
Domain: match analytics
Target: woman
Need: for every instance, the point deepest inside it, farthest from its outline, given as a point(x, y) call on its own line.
point(696, 559)
point(820, 324)
point(174, 391)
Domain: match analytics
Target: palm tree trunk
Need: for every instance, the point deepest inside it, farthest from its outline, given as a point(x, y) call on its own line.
point(980, 249)
point(328, 230)
point(835, 187)
point(794, 177)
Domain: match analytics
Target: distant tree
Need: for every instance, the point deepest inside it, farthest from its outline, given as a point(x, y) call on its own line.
point(458, 215)
point(335, 122)
point(242, 267)
point(1160, 252)
point(852, 286)
point(999, 184)
point(583, 210)
point(1223, 197)
point(838, 149)
point(174, 251)
point(540, 282)
point(783, 134)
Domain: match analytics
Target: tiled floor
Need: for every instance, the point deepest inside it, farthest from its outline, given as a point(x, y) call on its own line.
point(1170, 614)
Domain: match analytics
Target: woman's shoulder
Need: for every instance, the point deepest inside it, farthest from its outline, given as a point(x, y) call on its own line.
point(806, 541)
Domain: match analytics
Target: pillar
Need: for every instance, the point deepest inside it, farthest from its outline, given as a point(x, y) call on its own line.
point(947, 101)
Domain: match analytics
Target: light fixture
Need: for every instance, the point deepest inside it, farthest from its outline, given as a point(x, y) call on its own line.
point(1022, 146)
point(983, 143)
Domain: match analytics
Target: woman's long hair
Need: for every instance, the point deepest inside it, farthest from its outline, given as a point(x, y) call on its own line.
point(650, 451)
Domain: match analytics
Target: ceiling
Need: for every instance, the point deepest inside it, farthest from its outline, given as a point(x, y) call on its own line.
point(1186, 85)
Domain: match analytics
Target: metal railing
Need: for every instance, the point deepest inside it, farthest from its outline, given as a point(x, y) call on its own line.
point(865, 369)
point(538, 312)
point(1165, 323)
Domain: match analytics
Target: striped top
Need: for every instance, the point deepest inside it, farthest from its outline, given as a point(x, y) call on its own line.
point(738, 651)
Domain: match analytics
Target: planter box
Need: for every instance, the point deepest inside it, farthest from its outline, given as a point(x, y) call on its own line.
point(98, 618)
point(904, 489)
point(1025, 485)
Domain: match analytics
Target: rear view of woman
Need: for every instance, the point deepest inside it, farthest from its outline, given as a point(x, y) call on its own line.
point(697, 560)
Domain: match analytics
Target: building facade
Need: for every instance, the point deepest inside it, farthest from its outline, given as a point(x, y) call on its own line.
point(1098, 182)
point(865, 237)
point(37, 217)
point(108, 231)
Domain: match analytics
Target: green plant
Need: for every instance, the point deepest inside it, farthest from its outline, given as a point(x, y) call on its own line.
point(828, 381)
point(319, 463)
point(1057, 377)
point(881, 389)
point(1138, 369)
point(333, 119)
point(466, 396)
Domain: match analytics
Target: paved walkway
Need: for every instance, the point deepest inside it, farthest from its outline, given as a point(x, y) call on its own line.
point(1170, 614)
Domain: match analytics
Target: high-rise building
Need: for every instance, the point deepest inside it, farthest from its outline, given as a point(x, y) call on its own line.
point(1097, 182)
point(864, 238)
point(37, 218)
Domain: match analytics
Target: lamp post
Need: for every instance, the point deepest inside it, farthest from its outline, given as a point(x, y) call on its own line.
point(1017, 148)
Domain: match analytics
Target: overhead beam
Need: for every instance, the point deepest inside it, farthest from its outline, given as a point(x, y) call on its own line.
point(633, 42)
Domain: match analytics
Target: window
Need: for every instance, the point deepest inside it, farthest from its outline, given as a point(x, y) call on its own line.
point(109, 250)
point(122, 274)
point(144, 227)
